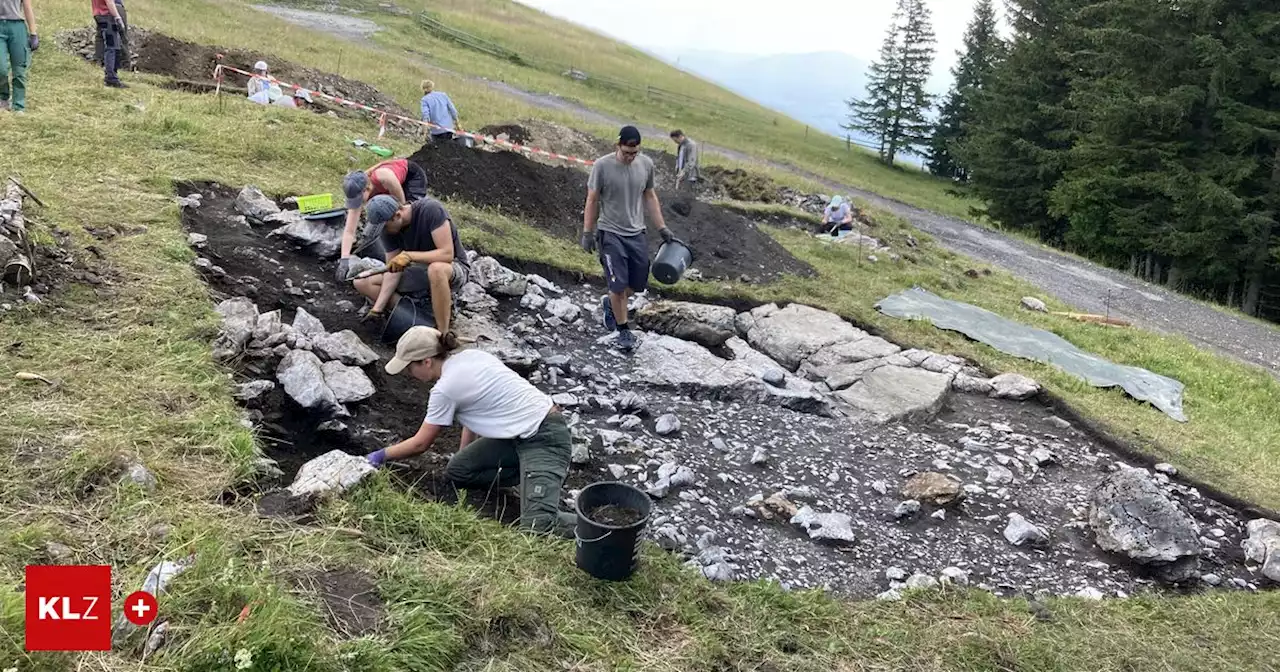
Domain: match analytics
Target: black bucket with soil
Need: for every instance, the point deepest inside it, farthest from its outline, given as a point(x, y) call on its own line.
point(611, 517)
point(407, 314)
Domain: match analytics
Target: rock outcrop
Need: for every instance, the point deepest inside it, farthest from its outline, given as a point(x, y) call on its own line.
point(892, 393)
point(704, 324)
point(1131, 516)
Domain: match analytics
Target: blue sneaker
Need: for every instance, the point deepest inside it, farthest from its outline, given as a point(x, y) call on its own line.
point(626, 341)
point(609, 322)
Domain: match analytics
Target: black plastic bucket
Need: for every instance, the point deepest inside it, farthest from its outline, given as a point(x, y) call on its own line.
point(671, 262)
point(606, 551)
point(373, 249)
point(406, 315)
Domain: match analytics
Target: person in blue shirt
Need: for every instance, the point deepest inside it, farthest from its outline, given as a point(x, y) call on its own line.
point(438, 109)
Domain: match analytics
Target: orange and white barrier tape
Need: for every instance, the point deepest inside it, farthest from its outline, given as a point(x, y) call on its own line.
point(219, 73)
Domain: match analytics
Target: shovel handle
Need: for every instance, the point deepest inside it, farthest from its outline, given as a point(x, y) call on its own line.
point(370, 274)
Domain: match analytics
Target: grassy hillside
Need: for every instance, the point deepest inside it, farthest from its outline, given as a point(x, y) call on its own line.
point(137, 381)
point(553, 46)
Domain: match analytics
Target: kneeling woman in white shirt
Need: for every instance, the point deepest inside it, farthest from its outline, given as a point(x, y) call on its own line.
point(511, 432)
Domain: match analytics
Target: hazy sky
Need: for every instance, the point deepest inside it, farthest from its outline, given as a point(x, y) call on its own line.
point(754, 27)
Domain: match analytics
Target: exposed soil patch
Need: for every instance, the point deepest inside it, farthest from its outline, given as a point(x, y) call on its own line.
point(617, 516)
point(160, 54)
point(515, 133)
point(839, 466)
point(350, 600)
point(276, 276)
point(726, 244)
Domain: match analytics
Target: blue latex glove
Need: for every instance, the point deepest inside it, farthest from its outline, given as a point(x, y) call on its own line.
point(377, 457)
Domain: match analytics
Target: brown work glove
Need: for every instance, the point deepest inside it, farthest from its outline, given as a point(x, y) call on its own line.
point(399, 262)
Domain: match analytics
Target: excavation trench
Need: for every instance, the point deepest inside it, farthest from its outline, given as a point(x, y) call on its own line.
point(832, 464)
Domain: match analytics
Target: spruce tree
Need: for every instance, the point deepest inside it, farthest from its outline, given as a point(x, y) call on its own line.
point(1014, 151)
point(895, 107)
point(983, 49)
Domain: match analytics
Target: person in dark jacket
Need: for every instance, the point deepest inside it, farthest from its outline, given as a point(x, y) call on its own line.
point(106, 16)
point(123, 60)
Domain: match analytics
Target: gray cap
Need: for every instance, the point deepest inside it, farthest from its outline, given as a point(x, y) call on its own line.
point(378, 212)
point(353, 186)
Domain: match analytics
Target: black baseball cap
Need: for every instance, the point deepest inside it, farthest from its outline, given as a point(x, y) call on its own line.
point(629, 135)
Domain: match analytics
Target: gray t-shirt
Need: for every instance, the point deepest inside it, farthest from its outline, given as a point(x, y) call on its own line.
point(11, 10)
point(621, 188)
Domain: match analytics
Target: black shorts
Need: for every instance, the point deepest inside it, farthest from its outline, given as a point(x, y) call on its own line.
point(415, 183)
point(625, 260)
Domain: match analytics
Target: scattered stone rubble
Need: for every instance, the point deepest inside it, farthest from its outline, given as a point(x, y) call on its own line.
point(784, 443)
point(317, 369)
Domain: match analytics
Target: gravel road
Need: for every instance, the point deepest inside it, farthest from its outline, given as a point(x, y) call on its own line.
point(1085, 286)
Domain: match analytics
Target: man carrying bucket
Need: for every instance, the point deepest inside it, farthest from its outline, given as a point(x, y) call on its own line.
point(619, 194)
point(426, 262)
point(512, 434)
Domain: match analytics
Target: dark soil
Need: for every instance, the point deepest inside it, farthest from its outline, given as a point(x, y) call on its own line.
point(163, 55)
point(515, 133)
point(258, 268)
point(280, 504)
point(617, 516)
point(725, 243)
point(351, 601)
point(781, 220)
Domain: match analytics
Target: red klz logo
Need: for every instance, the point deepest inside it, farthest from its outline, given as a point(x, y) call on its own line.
point(68, 608)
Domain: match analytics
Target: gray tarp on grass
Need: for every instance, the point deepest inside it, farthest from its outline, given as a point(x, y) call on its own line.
point(1035, 344)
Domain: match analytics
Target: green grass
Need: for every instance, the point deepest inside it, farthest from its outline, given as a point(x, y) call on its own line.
point(728, 121)
point(136, 380)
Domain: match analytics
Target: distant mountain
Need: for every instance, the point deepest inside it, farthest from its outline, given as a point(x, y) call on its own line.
point(810, 87)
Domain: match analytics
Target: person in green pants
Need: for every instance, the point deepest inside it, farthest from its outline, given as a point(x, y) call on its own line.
point(512, 434)
point(18, 39)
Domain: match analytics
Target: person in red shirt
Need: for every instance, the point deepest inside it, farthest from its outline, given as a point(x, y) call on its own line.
point(401, 179)
point(110, 28)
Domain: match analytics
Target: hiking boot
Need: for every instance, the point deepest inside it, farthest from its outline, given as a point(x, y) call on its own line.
point(610, 323)
point(626, 341)
point(117, 85)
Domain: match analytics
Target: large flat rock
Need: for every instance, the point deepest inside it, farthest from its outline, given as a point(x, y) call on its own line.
point(892, 393)
point(701, 323)
point(791, 335)
point(673, 363)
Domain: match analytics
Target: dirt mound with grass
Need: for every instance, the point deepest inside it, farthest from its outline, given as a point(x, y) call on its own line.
point(725, 243)
point(160, 54)
point(741, 185)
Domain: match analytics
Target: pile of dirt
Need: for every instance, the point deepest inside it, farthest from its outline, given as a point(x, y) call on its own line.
point(725, 243)
point(514, 132)
point(160, 54)
point(741, 185)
